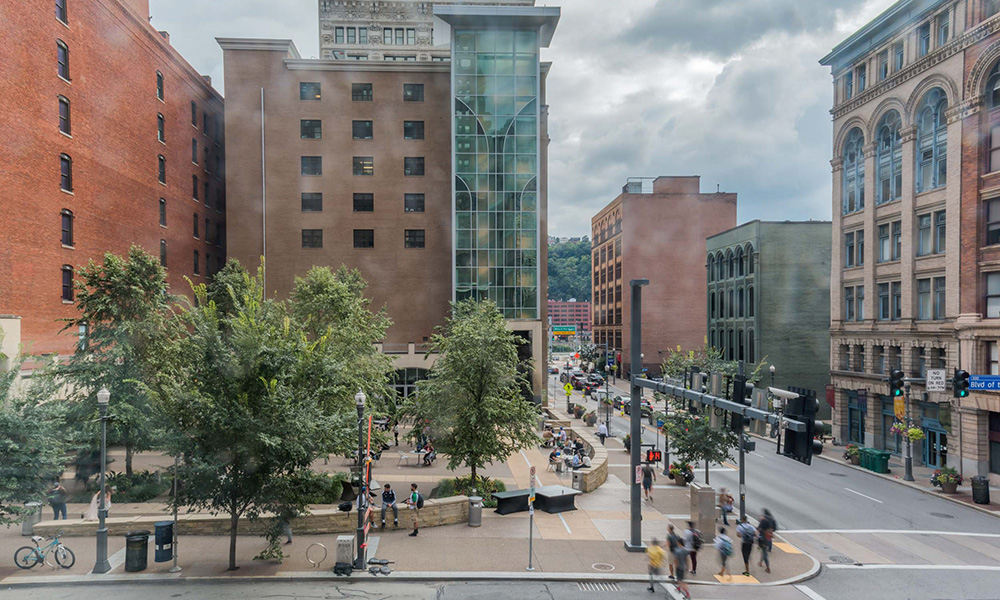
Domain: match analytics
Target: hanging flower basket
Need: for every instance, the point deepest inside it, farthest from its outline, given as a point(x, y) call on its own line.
point(915, 434)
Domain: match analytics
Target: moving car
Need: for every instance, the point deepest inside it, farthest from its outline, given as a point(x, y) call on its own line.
point(553, 370)
point(645, 411)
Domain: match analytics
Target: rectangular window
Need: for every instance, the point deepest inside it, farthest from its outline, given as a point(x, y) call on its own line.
point(352, 35)
point(364, 202)
point(939, 232)
point(849, 304)
point(883, 302)
point(312, 165)
point(413, 238)
point(163, 212)
point(994, 149)
point(163, 253)
point(924, 235)
point(413, 130)
point(362, 92)
point(309, 90)
point(67, 283)
point(413, 202)
point(219, 234)
point(194, 151)
point(194, 187)
point(364, 238)
point(194, 220)
point(413, 92)
point(64, 121)
point(899, 58)
point(849, 86)
point(362, 35)
point(161, 169)
point(62, 60)
point(194, 113)
point(67, 227)
point(923, 299)
point(849, 250)
point(920, 357)
point(65, 172)
point(897, 240)
point(413, 166)
point(859, 296)
point(883, 65)
point(364, 165)
point(939, 298)
point(993, 296)
point(878, 359)
point(160, 125)
point(197, 265)
point(990, 8)
point(204, 127)
point(159, 85)
point(311, 129)
point(207, 229)
point(61, 11)
point(411, 36)
point(993, 352)
point(943, 29)
point(362, 130)
point(312, 238)
point(884, 251)
point(862, 78)
point(993, 222)
point(897, 300)
point(924, 39)
point(338, 35)
point(859, 239)
point(400, 33)
point(312, 202)
point(387, 36)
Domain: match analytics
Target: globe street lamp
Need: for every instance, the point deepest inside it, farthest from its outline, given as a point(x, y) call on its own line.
point(772, 375)
point(102, 565)
point(359, 403)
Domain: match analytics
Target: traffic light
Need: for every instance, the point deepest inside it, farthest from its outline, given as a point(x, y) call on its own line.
point(896, 378)
point(801, 445)
point(740, 395)
point(960, 385)
point(653, 455)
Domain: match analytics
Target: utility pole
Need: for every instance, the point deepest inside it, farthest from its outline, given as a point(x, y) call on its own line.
point(743, 480)
point(635, 535)
point(908, 475)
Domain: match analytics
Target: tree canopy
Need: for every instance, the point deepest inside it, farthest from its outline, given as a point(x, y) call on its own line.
point(569, 270)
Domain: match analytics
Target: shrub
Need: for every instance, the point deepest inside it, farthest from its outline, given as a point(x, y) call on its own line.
point(946, 475)
point(462, 486)
point(323, 488)
point(141, 486)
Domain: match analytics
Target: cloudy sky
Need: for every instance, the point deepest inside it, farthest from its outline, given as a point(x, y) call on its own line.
point(727, 89)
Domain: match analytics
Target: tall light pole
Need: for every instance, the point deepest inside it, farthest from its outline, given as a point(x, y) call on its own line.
point(635, 526)
point(908, 461)
point(780, 432)
point(102, 565)
point(359, 403)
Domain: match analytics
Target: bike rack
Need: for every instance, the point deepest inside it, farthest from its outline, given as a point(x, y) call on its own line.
point(316, 563)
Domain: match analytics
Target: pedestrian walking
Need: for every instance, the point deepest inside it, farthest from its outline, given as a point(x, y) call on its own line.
point(724, 544)
point(765, 534)
point(57, 500)
point(673, 541)
point(602, 432)
point(692, 543)
point(389, 502)
point(648, 477)
point(656, 557)
point(94, 508)
point(747, 535)
point(680, 564)
point(415, 502)
point(286, 525)
point(395, 432)
point(725, 505)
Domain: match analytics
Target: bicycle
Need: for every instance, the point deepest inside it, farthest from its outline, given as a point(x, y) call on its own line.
point(27, 557)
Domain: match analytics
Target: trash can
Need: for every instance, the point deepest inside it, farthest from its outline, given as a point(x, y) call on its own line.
point(163, 549)
point(980, 490)
point(475, 511)
point(577, 480)
point(880, 461)
point(865, 458)
point(34, 515)
point(136, 550)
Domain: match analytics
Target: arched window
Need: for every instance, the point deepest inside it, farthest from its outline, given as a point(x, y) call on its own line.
point(740, 264)
point(732, 305)
point(711, 339)
point(62, 59)
point(739, 344)
point(731, 264)
point(751, 355)
point(161, 169)
point(750, 259)
point(739, 300)
point(711, 304)
point(64, 116)
point(932, 141)
point(711, 268)
point(853, 193)
point(729, 347)
point(66, 172)
point(719, 267)
point(722, 304)
point(993, 88)
point(750, 301)
point(888, 159)
point(163, 253)
point(67, 283)
point(66, 223)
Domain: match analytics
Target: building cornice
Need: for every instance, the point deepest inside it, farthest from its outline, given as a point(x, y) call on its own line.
point(265, 44)
point(388, 66)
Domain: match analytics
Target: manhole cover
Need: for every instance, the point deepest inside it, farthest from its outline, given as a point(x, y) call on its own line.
point(838, 475)
point(844, 560)
point(602, 567)
point(942, 515)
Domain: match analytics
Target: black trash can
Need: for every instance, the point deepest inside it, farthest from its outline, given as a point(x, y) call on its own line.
point(980, 490)
point(163, 549)
point(136, 550)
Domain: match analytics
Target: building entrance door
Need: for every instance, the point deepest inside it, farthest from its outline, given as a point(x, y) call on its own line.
point(855, 419)
point(935, 445)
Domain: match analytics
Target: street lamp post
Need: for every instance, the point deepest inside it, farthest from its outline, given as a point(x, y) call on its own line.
point(102, 565)
point(359, 403)
point(908, 461)
point(772, 369)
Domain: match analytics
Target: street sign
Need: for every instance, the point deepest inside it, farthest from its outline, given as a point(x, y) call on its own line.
point(899, 407)
point(531, 494)
point(638, 474)
point(935, 380)
point(984, 382)
point(564, 330)
point(568, 388)
point(531, 471)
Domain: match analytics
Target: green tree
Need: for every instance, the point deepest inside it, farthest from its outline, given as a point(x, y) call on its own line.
point(255, 396)
point(472, 400)
point(123, 304)
point(708, 359)
point(31, 447)
point(569, 270)
point(693, 438)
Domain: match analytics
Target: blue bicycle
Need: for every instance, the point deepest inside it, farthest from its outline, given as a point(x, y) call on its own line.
point(27, 557)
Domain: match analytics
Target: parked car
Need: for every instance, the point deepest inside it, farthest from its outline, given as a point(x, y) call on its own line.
point(600, 394)
point(645, 411)
point(620, 401)
point(553, 370)
point(596, 378)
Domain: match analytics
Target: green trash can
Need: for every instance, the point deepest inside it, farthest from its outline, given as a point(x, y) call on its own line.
point(866, 458)
point(881, 461)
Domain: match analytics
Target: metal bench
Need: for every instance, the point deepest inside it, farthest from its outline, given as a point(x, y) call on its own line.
point(556, 498)
point(511, 502)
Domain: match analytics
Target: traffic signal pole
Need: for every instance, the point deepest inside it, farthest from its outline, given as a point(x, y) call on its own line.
point(635, 531)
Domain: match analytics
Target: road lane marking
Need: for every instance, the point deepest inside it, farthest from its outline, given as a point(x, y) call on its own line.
point(864, 496)
point(566, 525)
point(525, 457)
point(808, 592)
point(917, 567)
point(906, 531)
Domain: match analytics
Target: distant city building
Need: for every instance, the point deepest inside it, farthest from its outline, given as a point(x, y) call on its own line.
point(571, 312)
point(108, 138)
point(769, 297)
point(916, 227)
point(359, 170)
point(655, 229)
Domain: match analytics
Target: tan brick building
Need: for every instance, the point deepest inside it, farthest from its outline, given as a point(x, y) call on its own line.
point(913, 251)
point(656, 230)
point(108, 137)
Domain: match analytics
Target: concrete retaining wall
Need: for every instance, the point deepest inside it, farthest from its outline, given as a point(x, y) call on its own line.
point(597, 473)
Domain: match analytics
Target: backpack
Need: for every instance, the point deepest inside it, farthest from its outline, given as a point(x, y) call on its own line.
point(673, 542)
point(696, 541)
point(420, 500)
point(726, 548)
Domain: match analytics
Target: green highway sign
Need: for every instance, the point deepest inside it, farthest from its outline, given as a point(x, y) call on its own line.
point(564, 330)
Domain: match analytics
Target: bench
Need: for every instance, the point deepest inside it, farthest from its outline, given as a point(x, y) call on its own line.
point(511, 502)
point(556, 498)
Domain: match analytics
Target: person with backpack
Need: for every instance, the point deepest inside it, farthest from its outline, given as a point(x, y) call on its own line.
point(724, 544)
point(765, 534)
point(747, 535)
point(680, 560)
point(415, 502)
point(693, 543)
point(673, 541)
point(57, 500)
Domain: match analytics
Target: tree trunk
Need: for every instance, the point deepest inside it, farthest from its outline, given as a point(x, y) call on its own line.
point(129, 453)
point(234, 520)
point(474, 481)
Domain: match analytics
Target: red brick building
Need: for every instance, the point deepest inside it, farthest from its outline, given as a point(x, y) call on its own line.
point(107, 138)
point(655, 230)
point(572, 312)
